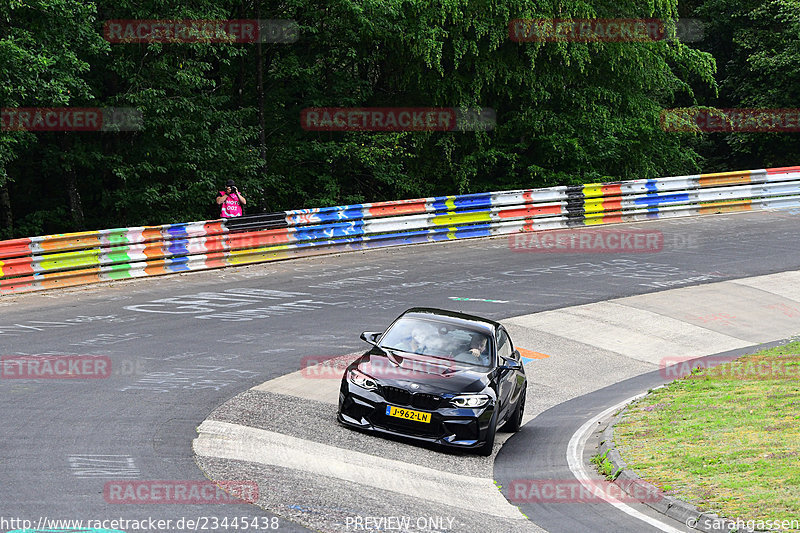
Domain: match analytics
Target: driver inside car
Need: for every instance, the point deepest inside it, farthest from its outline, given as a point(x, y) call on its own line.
point(478, 352)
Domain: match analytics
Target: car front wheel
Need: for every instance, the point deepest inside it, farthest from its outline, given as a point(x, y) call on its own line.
point(513, 424)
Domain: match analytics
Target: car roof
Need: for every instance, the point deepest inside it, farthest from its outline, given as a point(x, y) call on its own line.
point(452, 317)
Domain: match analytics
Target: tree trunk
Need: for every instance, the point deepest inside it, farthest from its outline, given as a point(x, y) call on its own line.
point(75, 207)
point(262, 136)
point(6, 218)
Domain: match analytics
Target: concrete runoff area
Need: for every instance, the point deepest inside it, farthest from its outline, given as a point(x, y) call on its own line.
point(598, 344)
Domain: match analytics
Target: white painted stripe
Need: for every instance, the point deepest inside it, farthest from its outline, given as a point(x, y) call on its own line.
point(636, 333)
point(575, 450)
point(785, 284)
point(243, 443)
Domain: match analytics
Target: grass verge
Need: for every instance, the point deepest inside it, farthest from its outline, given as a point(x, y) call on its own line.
point(726, 439)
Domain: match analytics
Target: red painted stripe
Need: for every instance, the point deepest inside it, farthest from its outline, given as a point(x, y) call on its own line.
point(19, 266)
point(14, 248)
point(401, 207)
point(782, 170)
point(611, 189)
point(239, 241)
point(530, 211)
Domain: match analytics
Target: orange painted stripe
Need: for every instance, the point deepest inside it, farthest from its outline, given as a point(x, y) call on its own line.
point(70, 241)
point(724, 178)
point(611, 189)
point(726, 207)
point(531, 354)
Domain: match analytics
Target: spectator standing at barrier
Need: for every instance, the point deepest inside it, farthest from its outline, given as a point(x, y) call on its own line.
point(231, 201)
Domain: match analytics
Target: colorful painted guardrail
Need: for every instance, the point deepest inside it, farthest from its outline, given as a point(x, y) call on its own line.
point(38, 263)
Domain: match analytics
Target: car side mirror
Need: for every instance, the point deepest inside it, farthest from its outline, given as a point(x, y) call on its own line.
point(510, 364)
point(516, 355)
point(371, 337)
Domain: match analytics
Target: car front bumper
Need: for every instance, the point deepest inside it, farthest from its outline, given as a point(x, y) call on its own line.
point(449, 426)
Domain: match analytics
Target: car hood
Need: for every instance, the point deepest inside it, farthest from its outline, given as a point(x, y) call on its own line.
point(431, 375)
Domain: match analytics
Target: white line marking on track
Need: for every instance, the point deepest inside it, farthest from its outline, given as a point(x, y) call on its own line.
point(575, 450)
point(243, 443)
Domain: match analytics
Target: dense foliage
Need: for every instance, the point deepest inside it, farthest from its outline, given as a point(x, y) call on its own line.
point(566, 112)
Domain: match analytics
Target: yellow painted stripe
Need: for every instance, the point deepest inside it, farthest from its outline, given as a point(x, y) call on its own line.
point(593, 189)
point(461, 218)
point(450, 203)
point(594, 205)
point(70, 260)
point(593, 221)
point(1, 269)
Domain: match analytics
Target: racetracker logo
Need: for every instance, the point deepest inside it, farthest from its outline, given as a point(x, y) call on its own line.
point(397, 119)
point(586, 30)
point(55, 367)
point(201, 31)
point(180, 492)
point(730, 120)
point(418, 367)
point(603, 241)
point(787, 367)
point(70, 119)
point(586, 491)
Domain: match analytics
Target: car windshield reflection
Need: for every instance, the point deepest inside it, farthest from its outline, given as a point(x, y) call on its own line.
point(439, 339)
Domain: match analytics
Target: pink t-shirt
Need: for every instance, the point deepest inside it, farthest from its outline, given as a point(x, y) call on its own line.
point(231, 207)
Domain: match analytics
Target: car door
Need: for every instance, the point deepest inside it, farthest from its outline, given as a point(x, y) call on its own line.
point(507, 378)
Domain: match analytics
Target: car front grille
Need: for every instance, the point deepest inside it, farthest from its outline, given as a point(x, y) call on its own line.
point(396, 395)
point(420, 400)
point(428, 402)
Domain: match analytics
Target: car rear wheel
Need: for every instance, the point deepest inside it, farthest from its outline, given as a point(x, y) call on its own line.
point(515, 422)
point(488, 445)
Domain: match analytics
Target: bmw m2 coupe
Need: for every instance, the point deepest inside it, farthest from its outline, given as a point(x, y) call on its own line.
point(436, 376)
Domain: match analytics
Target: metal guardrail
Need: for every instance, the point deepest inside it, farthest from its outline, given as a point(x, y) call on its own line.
point(38, 263)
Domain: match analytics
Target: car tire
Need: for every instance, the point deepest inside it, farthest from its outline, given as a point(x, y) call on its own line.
point(488, 445)
point(513, 424)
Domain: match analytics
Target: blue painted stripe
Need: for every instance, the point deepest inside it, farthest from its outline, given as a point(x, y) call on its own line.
point(178, 247)
point(177, 264)
point(329, 231)
point(656, 199)
point(177, 230)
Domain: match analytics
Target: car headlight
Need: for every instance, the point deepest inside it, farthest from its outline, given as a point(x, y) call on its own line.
point(470, 400)
point(362, 380)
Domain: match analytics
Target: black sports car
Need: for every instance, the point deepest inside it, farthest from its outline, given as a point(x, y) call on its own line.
point(436, 376)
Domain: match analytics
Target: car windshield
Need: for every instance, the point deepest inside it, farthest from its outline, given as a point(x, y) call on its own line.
point(439, 339)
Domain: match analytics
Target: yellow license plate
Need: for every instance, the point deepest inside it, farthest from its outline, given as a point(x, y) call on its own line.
point(408, 414)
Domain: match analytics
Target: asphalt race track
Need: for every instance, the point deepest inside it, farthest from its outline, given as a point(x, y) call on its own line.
point(189, 349)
